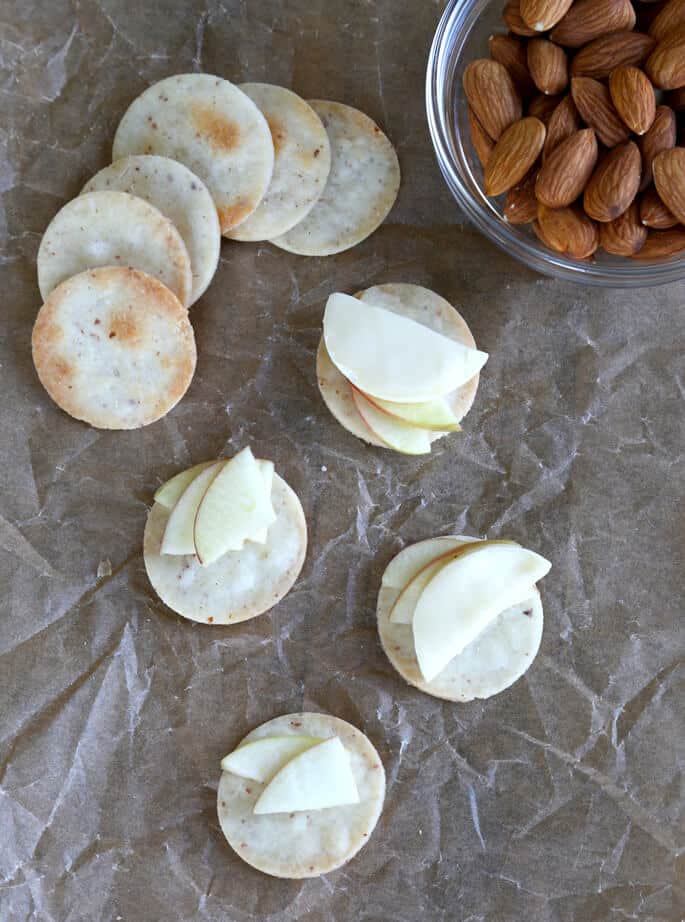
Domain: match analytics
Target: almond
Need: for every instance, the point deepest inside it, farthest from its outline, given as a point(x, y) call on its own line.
point(492, 95)
point(480, 139)
point(514, 154)
point(588, 19)
point(598, 59)
point(633, 97)
point(614, 183)
point(594, 104)
point(543, 106)
point(520, 205)
point(670, 17)
point(547, 65)
point(541, 15)
point(669, 179)
point(567, 230)
point(661, 136)
point(666, 64)
point(660, 244)
point(625, 235)
point(510, 52)
point(513, 20)
point(566, 171)
point(653, 212)
point(561, 125)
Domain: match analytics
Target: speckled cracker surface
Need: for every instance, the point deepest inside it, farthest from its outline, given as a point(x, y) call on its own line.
point(303, 844)
point(241, 584)
point(214, 129)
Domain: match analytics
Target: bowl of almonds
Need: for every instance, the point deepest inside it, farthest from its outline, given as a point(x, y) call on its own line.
point(559, 126)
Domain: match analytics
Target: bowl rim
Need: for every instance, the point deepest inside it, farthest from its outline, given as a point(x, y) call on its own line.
point(460, 15)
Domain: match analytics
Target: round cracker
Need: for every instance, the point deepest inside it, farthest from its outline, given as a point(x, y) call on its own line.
point(241, 584)
point(493, 662)
point(297, 845)
point(361, 189)
point(181, 196)
point(301, 166)
point(419, 304)
point(114, 347)
point(113, 229)
point(214, 129)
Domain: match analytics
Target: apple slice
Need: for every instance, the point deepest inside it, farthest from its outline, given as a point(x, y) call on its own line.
point(170, 492)
point(413, 558)
point(392, 357)
point(434, 415)
point(392, 432)
point(267, 471)
point(234, 507)
point(319, 777)
point(260, 759)
point(466, 595)
point(178, 534)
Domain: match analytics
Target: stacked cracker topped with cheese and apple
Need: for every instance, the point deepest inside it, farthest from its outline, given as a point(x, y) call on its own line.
point(225, 540)
point(461, 618)
point(397, 366)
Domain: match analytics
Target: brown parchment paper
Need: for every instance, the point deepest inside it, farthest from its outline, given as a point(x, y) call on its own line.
point(559, 800)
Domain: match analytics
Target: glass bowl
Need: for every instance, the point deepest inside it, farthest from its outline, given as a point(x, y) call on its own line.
point(462, 35)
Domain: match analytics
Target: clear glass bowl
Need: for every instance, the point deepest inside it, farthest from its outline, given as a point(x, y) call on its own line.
point(461, 36)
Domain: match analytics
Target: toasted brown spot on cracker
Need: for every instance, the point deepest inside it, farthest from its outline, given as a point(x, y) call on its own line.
point(218, 130)
point(123, 327)
point(231, 215)
point(278, 134)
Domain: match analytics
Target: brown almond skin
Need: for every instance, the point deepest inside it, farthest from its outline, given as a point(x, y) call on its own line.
point(542, 106)
point(480, 139)
point(511, 14)
point(660, 244)
point(588, 19)
point(624, 236)
point(510, 52)
point(665, 66)
point(492, 95)
point(567, 230)
point(653, 212)
point(514, 154)
point(661, 136)
point(670, 17)
point(633, 97)
point(566, 171)
point(598, 58)
point(669, 178)
point(548, 66)
point(594, 104)
point(614, 184)
point(541, 15)
point(563, 122)
point(520, 205)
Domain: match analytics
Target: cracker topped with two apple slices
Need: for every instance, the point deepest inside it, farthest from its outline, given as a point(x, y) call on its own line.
point(461, 618)
point(225, 540)
point(397, 366)
point(300, 795)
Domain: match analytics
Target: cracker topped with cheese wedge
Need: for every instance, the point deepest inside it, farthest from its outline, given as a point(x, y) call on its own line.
point(397, 366)
point(300, 795)
point(225, 540)
point(461, 618)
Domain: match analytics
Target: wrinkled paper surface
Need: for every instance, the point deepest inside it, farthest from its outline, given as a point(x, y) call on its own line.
point(560, 799)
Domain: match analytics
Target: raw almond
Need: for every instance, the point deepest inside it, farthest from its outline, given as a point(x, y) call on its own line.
point(625, 235)
point(514, 21)
point(666, 64)
point(541, 15)
point(588, 19)
point(633, 97)
point(670, 17)
point(547, 65)
point(660, 244)
point(598, 58)
point(594, 104)
point(514, 154)
point(566, 171)
point(510, 52)
point(561, 125)
point(614, 184)
point(543, 106)
point(520, 205)
point(661, 136)
point(492, 95)
point(653, 212)
point(480, 139)
point(669, 179)
point(567, 230)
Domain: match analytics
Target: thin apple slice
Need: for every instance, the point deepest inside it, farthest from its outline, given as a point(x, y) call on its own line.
point(267, 471)
point(413, 558)
point(170, 492)
point(178, 534)
point(260, 759)
point(392, 357)
point(319, 777)
point(234, 507)
point(392, 432)
point(466, 595)
point(434, 415)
